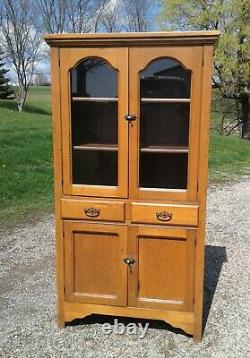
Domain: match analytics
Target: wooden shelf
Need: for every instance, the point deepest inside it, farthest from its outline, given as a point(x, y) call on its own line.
point(165, 100)
point(95, 99)
point(164, 149)
point(97, 146)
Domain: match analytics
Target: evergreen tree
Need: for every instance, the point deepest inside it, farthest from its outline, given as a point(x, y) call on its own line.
point(5, 90)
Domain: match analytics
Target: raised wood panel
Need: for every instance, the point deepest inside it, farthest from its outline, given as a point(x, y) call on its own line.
point(164, 214)
point(93, 210)
point(163, 273)
point(94, 268)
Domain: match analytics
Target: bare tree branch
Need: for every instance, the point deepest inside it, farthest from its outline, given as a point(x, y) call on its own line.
point(109, 15)
point(21, 42)
point(137, 15)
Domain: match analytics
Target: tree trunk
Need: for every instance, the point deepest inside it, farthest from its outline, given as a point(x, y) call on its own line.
point(22, 95)
point(245, 107)
point(20, 105)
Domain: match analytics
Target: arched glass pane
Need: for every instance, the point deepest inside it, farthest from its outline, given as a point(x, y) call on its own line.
point(165, 78)
point(164, 124)
point(94, 121)
point(94, 78)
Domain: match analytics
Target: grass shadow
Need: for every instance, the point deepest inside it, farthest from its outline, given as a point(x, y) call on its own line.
point(12, 105)
point(215, 256)
point(8, 104)
point(37, 110)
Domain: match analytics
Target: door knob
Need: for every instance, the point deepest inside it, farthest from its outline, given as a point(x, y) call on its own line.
point(129, 261)
point(130, 117)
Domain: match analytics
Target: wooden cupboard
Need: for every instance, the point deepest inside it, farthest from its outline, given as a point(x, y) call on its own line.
point(130, 133)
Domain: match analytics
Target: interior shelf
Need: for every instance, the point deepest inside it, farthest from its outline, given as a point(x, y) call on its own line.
point(95, 99)
point(164, 149)
point(165, 100)
point(97, 146)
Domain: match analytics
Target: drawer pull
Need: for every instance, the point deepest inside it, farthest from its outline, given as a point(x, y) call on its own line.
point(92, 212)
point(164, 216)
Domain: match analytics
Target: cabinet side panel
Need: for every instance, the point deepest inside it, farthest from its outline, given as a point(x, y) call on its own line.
point(57, 155)
point(202, 186)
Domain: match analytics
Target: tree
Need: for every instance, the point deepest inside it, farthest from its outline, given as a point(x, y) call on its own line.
point(5, 90)
point(231, 65)
point(39, 79)
point(52, 15)
point(137, 15)
point(109, 15)
point(62, 16)
point(21, 42)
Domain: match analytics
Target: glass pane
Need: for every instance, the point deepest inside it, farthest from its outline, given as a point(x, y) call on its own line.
point(163, 170)
point(164, 125)
point(94, 78)
point(165, 78)
point(94, 123)
point(95, 167)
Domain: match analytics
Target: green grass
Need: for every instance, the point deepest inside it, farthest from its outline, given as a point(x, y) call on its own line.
point(26, 158)
point(229, 157)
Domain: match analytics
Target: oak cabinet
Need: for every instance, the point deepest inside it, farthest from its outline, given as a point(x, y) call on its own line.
point(163, 274)
point(94, 269)
point(130, 132)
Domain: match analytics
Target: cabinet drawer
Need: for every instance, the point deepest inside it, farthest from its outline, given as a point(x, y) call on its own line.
point(93, 210)
point(164, 214)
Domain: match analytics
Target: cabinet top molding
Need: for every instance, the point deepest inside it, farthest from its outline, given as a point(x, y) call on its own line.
point(133, 39)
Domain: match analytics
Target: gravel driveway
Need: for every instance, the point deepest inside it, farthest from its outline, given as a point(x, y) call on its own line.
point(27, 312)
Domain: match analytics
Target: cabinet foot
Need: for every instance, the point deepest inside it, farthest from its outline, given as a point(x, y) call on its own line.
point(197, 336)
point(60, 322)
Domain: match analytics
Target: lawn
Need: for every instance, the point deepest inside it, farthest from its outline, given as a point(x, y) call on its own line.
point(26, 158)
point(229, 157)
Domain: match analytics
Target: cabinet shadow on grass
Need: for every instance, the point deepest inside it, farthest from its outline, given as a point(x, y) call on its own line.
point(215, 256)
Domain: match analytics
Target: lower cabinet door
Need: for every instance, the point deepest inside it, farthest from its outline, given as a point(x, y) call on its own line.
point(94, 267)
point(162, 276)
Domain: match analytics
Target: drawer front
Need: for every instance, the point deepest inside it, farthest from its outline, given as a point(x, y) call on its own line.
point(151, 213)
point(93, 210)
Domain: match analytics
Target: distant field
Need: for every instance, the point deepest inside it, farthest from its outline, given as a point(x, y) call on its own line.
point(26, 158)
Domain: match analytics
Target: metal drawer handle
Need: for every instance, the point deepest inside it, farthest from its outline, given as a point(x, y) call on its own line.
point(164, 216)
point(92, 212)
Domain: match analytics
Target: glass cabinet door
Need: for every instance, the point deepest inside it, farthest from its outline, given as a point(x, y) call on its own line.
point(94, 124)
point(97, 132)
point(165, 81)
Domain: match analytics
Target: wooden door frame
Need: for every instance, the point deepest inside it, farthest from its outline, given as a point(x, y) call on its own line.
point(139, 58)
point(189, 235)
point(118, 59)
point(75, 226)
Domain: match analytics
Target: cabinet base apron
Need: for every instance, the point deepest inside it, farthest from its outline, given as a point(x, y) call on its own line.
point(182, 320)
